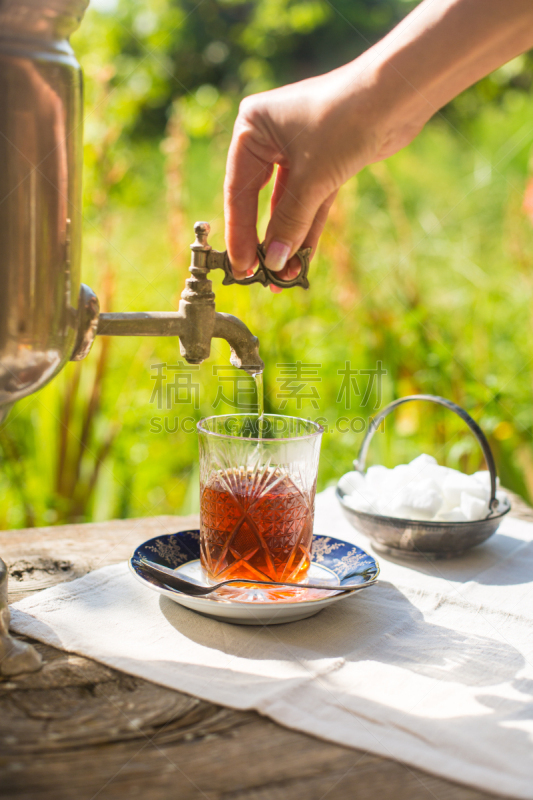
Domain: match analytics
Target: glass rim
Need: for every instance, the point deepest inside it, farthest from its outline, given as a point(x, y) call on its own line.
point(201, 429)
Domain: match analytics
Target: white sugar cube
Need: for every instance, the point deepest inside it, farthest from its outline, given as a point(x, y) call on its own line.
point(455, 483)
point(427, 467)
point(352, 482)
point(473, 507)
point(423, 461)
point(420, 490)
point(400, 477)
point(419, 500)
point(360, 503)
point(377, 478)
point(455, 515)
point(357, 494)
point(502, 497)
point(483, 477)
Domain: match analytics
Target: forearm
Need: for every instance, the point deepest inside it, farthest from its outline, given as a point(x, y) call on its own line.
point(439, 50)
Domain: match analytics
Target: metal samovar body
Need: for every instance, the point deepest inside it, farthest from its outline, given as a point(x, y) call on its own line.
point(40, 192)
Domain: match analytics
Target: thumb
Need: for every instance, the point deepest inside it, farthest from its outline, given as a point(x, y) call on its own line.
point(296, 205)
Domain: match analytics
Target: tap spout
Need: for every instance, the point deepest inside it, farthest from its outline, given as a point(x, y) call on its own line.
point(244, 345)
point(144, 323)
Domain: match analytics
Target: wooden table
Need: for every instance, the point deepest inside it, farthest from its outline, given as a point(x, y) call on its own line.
point(78, 730)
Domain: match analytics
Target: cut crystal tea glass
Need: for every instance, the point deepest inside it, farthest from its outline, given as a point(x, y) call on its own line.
point(257, 495)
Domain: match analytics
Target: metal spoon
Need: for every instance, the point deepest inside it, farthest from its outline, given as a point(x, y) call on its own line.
point(169, 578)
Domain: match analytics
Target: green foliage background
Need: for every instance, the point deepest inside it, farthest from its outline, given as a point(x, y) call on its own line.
point(425, 265)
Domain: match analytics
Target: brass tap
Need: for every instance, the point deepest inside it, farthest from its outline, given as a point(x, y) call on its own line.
point(196, 322)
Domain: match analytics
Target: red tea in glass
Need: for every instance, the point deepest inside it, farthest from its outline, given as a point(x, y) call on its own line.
point(257, 495)
point(253, 528)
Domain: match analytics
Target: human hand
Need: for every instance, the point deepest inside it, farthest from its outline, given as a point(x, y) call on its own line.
point(312, 134)
point(323, 130)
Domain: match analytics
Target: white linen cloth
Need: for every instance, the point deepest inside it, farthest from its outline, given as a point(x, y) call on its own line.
point(434, 666)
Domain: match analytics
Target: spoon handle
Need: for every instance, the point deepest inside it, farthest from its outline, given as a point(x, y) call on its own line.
point(189, 587)
point(170, 579)
point(330, 588)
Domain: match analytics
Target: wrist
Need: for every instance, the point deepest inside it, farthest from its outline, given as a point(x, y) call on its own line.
point(406, 105)
point(385, 110)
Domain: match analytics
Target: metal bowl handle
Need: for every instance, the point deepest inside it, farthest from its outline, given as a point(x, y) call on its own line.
point(360, 461)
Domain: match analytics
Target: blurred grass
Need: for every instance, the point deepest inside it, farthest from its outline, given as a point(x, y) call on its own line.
point(425, 266)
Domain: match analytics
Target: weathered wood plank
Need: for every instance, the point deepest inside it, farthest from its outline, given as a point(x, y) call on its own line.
point(41, 557)
point(78, 729)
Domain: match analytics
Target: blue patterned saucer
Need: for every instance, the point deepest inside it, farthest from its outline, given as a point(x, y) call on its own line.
point(334, 561)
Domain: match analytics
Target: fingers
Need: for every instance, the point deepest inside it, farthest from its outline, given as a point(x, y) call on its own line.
point(300, 202)
point(246, 174)
point(321, 216)
point(282, 176)
point(290, 270)
point(293, 267)
point(296, 203)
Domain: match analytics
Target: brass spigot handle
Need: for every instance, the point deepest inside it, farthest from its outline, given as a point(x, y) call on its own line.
point(262, 275)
